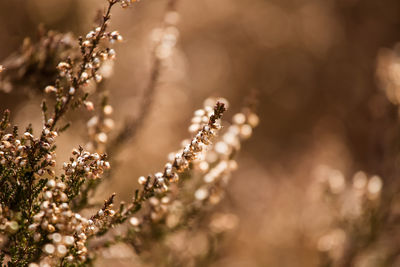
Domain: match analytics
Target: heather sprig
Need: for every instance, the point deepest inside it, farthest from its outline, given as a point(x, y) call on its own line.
point(203, 185)
point(33, 66)
point(358, 208)
point(73, 76)
point(158, 184)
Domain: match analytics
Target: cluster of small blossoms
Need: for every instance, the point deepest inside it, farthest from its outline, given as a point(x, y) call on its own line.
point(158, 207)
point(356, 203)
point(29, 66)
point(350, 199)
point(56, 223)
point(124, 3)
point(214, 179)
point(48, 136)
point(46, 141)
point(84, 165)
point(66, 231)
point(99, 55)
point(221, 157)
point(93, 57)
point(201, 116)
point(174, 210)
point(166, 37)
point(190, 152)
point(241, 129)
point(102, 219)
point(99, 126)
point(180, 162)
point(8, 224)
point(87, 228)
point(14, 151)
point(214, 182)
point(166, 210)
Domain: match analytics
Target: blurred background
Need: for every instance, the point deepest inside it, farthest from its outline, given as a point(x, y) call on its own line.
point(320, 105)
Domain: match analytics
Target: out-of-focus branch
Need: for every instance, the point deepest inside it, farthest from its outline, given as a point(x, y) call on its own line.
point(132, 125)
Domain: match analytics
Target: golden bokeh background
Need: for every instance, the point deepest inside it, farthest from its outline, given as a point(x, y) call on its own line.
point(314, 65)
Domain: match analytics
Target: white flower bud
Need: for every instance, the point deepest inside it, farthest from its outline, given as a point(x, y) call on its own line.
point(50, 89)
point(142, 180)
point(49, 249)
point(88, 105)
point(71, 91)
point(134, 221)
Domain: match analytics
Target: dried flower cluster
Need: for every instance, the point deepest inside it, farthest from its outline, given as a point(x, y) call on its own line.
point(58, 225)
point(170, 209)
point(357, 206)
point(99, 126)
point(155, 186)
point(71, 80)
point(33, 66)
point(219, 162)
point(82, 166)
point(362, 218)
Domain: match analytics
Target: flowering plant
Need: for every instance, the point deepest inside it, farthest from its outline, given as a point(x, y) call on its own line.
point(42, 222)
